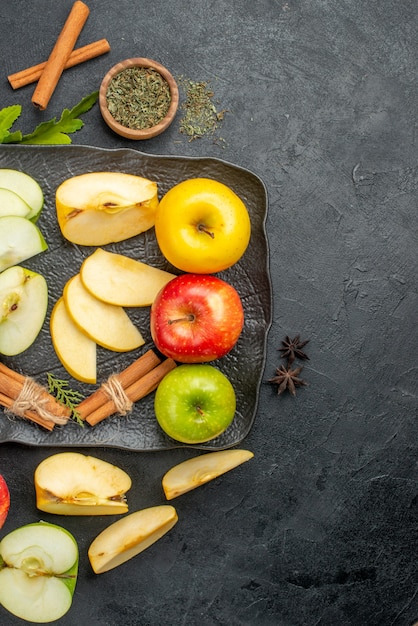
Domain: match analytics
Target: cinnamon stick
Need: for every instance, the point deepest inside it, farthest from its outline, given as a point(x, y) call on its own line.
point(133, 372)
point(138, 390)
point(45, 410)
point(60, 54)
point(80, 55)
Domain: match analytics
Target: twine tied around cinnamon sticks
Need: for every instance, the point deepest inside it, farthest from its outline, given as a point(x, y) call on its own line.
point(62, 56)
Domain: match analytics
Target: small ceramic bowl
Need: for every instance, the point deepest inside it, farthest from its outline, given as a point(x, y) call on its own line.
point(145, 133)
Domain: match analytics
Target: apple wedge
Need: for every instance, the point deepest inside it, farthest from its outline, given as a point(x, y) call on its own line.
point(71, 483)
point(106, 324)
point(26, 187)
point(120, 280)
point(20, 239)
point(38, 572)
point(75, 350)
point(129, 536)
point(98, 208)
point(23, 307)
point(12, 204)
point(200, 470)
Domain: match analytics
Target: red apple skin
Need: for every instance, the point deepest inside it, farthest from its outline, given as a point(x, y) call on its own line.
point(4, 500)
point(196, 318)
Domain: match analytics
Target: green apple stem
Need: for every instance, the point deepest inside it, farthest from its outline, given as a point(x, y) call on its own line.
point(202, 228)
point(187, 318)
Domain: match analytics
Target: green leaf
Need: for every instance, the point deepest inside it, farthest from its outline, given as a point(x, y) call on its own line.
point(8, 116)
point(50, 132)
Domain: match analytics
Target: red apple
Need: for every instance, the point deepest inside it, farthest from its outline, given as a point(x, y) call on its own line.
point(4, 500)
point(196, 318)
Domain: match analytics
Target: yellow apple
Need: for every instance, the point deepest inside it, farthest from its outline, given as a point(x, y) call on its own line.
point(98, 208)
point(75, 350)
point(200, 470)
point(129, 536)
point(106, 324)
point(202, 226)
point(120, 280)
point(71, 483)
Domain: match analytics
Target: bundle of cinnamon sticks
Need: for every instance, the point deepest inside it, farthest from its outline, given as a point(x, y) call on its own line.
point(63, 56)
point(22, 396)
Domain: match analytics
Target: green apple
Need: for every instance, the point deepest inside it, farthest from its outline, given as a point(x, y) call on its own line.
point(23, 307)
point(38, 572)
point(20, 239)
point(12, 204)
point(26, 187)
point(195, 403)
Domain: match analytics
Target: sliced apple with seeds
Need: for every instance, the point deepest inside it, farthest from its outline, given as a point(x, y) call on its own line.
point(127, 282)
point(129, 536)
point(75, 350)
point(23, 308)
point(71, 483)
point(12, 204)
point(106, 324)
point(20, 240)
point(26, 187)
point(38, 572)
point(98, 208)
point(200, 470)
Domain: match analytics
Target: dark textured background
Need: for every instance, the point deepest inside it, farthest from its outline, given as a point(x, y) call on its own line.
point(320, 527)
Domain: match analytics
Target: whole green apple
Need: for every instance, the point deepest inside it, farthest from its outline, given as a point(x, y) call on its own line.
point(195, 403)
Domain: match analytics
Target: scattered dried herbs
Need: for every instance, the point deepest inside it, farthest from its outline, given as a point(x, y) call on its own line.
point(200, 114)
point(292, 348)
point(138, 97)
point(287, 378)
point(66, 396)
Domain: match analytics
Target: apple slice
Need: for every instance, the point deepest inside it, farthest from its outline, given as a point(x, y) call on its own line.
point(20, 239)
point(26, 187)
point(71, 483)
point(23, 307)
point(200, 470)
point(120, 280)
point(38, 572)
point(12, 204)
point(75, 350)
point(129, 536)
point(4, 500)
point(98, 208)
point(106, 324)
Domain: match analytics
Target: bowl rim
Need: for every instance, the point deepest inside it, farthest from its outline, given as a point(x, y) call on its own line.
point(144, 133)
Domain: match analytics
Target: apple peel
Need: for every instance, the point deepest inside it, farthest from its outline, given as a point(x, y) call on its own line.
point(4, 500)
point(129, 536)
point(200, 470)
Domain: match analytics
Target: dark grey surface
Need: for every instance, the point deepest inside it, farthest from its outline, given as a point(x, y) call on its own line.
point(320, 527)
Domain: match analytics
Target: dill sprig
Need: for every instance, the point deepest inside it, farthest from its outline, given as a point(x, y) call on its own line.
point(66, 396)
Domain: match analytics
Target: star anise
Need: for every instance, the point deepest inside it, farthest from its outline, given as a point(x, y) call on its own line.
point(292, 349)
point(287, 378)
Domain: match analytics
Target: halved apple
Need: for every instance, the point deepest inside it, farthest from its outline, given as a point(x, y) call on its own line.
point(98, 208)
point(129, 536)
point(71, 483)
point(75, 350)
point(12, 204)
point(120, 280)
point(20, 239)
point(38, 572)
point(200, 470)
point(23, 307)
point(26, 187)
point(106, 324)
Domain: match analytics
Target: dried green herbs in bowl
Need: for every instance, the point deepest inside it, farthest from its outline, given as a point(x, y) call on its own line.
point(138, 98)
